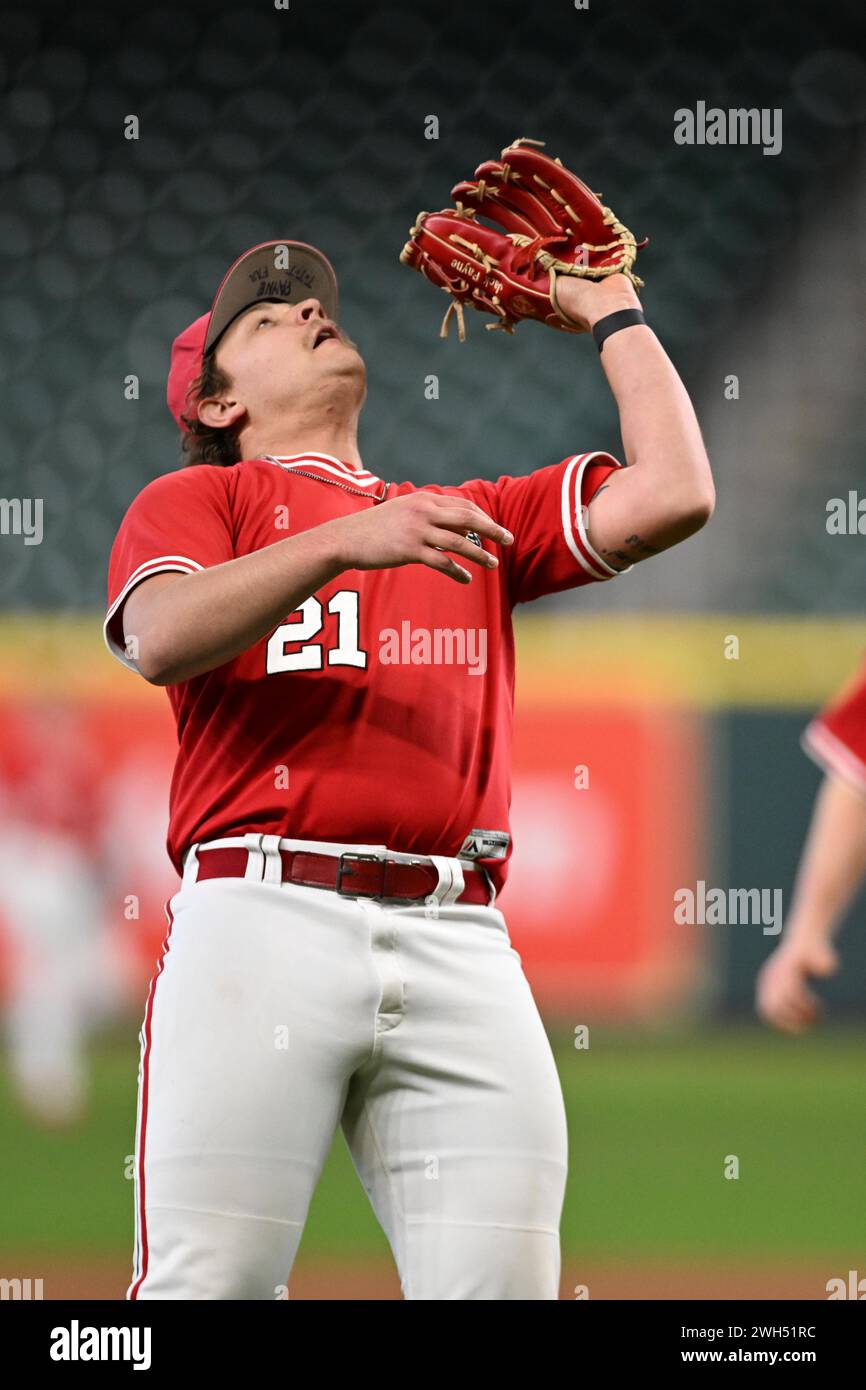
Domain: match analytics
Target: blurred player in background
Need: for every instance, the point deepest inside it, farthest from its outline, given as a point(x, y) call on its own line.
point(59, 979)
point(832, 865)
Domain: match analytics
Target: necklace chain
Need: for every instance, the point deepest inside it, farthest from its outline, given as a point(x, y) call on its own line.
point(335, 482)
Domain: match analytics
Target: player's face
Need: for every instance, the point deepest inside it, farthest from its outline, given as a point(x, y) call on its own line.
point(276, 354)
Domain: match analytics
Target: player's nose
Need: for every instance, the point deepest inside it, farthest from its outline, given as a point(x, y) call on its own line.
point(308, 310)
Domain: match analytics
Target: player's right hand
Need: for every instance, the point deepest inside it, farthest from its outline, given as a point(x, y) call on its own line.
point(425, 528)
point(783, 998)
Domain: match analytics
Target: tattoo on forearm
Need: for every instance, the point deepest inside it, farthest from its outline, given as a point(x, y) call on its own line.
point(639, 549)
point(641, 546)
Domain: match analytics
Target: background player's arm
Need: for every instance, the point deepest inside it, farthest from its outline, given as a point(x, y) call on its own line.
point(832, 869)
point(666, 493)
point(180, 625)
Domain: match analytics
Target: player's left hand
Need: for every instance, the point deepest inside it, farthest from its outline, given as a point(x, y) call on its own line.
point(547, 227)
point(587, 301)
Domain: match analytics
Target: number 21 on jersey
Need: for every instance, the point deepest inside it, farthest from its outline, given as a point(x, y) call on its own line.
point(344, 605)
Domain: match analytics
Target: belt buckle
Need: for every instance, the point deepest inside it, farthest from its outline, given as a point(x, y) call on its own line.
point(357, 858)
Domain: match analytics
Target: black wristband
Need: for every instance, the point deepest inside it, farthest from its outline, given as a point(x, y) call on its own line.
point(612, 323)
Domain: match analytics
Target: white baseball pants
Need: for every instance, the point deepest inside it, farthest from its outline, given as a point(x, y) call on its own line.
point(279, 1012)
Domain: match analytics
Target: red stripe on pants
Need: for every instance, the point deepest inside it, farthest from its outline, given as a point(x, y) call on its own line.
point(145, 1080)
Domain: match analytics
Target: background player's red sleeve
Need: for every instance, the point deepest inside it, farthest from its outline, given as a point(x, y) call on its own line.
point(545, 512)
point(180, 522)
point(836, 738)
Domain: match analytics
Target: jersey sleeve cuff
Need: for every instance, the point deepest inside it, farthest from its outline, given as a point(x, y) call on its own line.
point(574, 516)
point(113, 626)
point(832, 755)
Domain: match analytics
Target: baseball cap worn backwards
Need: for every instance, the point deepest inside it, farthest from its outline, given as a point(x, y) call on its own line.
point(289, 271)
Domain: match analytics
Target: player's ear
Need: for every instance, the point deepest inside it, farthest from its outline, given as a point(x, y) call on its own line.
point(220, 412)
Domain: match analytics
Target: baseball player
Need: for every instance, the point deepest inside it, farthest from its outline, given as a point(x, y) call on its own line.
point(339, 807)
point(832, 865)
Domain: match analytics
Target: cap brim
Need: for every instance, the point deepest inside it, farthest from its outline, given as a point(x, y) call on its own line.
point(284, 270)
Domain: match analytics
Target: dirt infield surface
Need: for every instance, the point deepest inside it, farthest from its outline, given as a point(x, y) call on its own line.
point(350, 1281)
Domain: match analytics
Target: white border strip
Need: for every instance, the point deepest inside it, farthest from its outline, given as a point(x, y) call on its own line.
point(361, 477)
point(580, 462)
point(164, 564)
point(832, 755)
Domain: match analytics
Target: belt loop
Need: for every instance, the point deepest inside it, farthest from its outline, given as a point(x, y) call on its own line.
point(255, 857)
point(451, 883)
point(190, 866)
point(491, 886)
point(273, 862)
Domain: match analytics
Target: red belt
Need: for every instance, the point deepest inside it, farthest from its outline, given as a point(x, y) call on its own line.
point(351, 875)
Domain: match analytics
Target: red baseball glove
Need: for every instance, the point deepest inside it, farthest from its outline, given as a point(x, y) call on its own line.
point(553, 225)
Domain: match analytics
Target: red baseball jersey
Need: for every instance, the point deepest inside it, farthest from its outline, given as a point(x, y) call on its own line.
point(380, 711)
point(836, 738)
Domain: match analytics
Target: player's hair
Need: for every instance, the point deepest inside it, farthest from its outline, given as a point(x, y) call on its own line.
point(204, 443)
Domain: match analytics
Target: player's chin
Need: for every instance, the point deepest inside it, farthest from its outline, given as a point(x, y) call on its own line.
point(351, 349)
point(332, 349)
point(343, 357)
